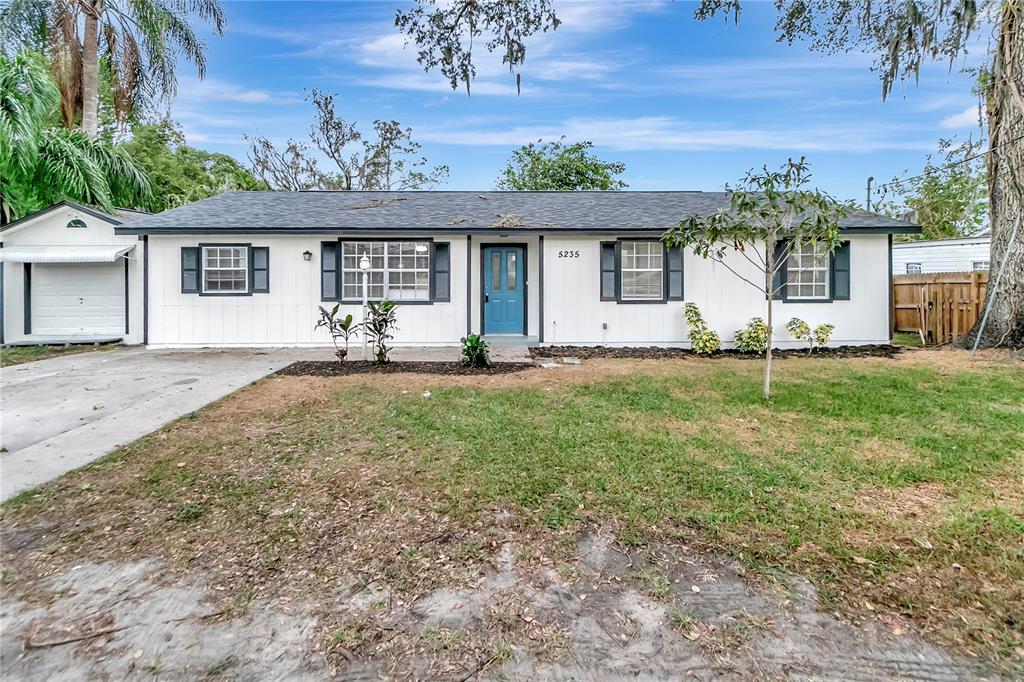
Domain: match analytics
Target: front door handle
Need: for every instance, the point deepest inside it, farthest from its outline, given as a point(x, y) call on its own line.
point(487, 298)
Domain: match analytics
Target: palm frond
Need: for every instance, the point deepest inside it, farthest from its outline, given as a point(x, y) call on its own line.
point(27, 97)
point(68, 168)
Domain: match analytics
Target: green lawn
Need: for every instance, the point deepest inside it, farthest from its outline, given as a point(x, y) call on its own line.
point(894, 485)
point(16, 355)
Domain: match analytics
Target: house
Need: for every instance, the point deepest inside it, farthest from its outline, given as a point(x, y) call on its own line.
point(251, 269)
point(966, 254)
point(67, 277)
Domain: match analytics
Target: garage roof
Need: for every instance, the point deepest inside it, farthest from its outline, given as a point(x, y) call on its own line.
point(454, 212)
point(90, 253)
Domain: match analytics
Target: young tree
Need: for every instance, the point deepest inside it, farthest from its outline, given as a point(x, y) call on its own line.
point(558, 166)
point(903, 35)
point(136, 44)
point(769, 214)
point(948, 198)
point(389, 161)
point(41, 164)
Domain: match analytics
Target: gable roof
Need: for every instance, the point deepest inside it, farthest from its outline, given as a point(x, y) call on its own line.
point(458, 212)
point(119, 217)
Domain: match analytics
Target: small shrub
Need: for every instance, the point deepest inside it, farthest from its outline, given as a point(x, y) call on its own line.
point(338, 328)
point(474, 352)
point(754, 337)
point(380, 327)
point(702, 340)
point(823, 334)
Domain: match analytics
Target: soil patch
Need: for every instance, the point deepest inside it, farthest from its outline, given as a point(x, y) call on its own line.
point(330, 368)
point(652, 352)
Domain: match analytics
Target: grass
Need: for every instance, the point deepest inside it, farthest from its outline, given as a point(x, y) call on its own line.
point(892, 485)
point(16, 355)
point(907, 339)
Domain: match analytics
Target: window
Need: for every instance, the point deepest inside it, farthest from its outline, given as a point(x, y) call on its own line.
point(399, 271)
point(981, 265)
point(642, 270)
point(76, 224)
point(225, 269)
point(807, 269)
point(913, 268)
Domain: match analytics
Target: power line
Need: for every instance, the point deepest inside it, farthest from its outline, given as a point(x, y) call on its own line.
point(950, 165)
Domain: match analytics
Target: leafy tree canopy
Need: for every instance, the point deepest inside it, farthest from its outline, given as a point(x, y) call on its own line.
point(559, 166)
point(180, 173)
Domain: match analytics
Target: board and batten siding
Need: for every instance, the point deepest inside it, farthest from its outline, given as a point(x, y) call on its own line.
point(944, 255)
point(574, 313)
point(287, 315)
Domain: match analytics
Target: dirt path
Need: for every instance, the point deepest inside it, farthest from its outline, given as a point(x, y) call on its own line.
point(669, 613)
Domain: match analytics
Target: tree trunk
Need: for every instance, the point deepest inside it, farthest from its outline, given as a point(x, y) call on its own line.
point(1005, 111)
point(769, 286)
point(90, 67)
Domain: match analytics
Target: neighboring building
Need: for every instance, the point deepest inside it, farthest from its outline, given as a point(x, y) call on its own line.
point(942, 255)
point(251, 268)
point(68, 278)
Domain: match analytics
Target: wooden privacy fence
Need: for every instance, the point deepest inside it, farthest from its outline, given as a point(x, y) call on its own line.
point(940, 306)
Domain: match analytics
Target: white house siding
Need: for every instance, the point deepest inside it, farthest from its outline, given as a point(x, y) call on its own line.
point(288, 314)
point(50, 229)
point(574, 313)
point(941, 255)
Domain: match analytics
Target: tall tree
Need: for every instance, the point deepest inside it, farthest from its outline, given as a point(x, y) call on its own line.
point(947, 199)
point(770, 214)
point(180, 173)
point(559, 166)
point(135, 44)
point(904, 35)
point(40, 163)
point(390, 160)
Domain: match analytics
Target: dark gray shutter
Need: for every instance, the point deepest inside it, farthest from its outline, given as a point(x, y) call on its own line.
point(190, 269)
point(675, 274)
point(779, 279)
point(329, 271)
point(259, 259)
point(841, 272)
point(608, 292)
point(441, 272)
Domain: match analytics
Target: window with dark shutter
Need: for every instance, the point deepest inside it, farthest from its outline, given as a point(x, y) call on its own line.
point(608, 276)
point(675, 274)
point(190, 269)
point(442, 272)
point(329, 271)
point(260, 269)
point(841, 272)
point(779, 278)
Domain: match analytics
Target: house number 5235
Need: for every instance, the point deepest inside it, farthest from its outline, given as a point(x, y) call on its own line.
point(568, 254)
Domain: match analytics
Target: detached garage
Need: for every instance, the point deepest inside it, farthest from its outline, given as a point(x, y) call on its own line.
point(67, 278)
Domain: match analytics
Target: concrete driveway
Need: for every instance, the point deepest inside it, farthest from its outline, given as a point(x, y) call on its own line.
point(62, 413)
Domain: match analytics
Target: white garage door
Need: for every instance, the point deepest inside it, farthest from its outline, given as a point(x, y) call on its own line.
point(78, 299)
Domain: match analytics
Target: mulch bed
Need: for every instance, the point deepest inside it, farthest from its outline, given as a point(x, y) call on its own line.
point(331, 368)
point(654, 352)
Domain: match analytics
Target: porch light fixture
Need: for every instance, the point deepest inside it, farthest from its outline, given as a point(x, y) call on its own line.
point(307, 256)
point(364, 264)
point(421, 248)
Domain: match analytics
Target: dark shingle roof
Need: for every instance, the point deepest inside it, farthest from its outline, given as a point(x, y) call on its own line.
point(256, 212)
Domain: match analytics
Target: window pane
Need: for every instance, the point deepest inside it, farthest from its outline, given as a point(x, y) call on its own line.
point(495, 271)
point(511, 260)
point(642, 269)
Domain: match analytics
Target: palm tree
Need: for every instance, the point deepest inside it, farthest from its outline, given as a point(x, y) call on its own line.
point(134, 44)
point(40, 163)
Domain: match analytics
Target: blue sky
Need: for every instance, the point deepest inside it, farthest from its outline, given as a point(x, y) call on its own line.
point(684, 104)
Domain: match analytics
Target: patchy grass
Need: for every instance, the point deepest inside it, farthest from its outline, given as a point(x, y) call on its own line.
point(16, 355)
point(894, 485)
point(907, 339)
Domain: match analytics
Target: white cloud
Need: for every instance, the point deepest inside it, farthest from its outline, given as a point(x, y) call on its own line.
point(663, 133)
point(212, 89)
point(968, 118)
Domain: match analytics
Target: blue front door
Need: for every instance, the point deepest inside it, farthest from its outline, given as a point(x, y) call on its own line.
point(504, 302)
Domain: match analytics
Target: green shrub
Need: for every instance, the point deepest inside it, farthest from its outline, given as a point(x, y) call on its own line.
point(754, 337)
point(702, 340)
point(819, 336)
point(379, 327)
point(474, 352)
point(823, 334)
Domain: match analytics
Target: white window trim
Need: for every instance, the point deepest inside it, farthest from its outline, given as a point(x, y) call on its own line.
point(244, 248)
point(914, 272)
point(386, 269)
point(660, 270)
point(987, 268)
point(827, 270)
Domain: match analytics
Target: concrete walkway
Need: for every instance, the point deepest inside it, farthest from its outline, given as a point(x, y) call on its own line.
point(62, 413)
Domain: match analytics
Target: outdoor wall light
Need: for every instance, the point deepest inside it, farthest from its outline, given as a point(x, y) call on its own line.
point(307, 256)
point(364, 263)
point(421, 248)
